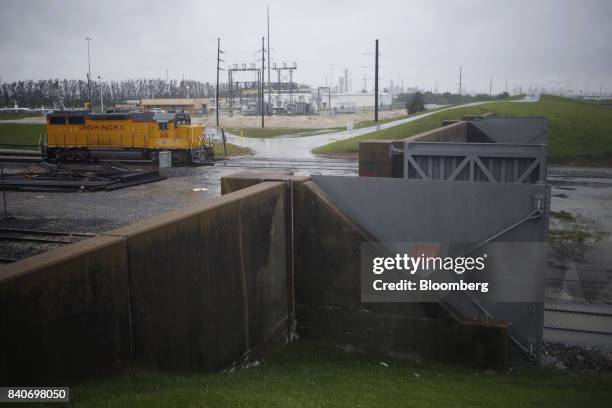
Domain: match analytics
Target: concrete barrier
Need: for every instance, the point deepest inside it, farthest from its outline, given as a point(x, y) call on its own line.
point(194, 289)
point(244, 179)
point(328, 307)
point(209, 283)
point(384, 158)
point(64, 314)
point(212, 284)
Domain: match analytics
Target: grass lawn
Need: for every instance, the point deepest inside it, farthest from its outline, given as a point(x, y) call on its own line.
point(275, 132)
point(232, 150)
point(368, 123)
point(304, 374)
point(12, 116)
point(15, 136)
point(580, 133)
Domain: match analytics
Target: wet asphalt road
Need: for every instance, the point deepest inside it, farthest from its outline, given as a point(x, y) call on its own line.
point(299, 147)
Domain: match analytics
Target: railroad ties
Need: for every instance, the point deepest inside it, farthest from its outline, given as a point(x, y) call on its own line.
point(17, 243)
point(54, 178)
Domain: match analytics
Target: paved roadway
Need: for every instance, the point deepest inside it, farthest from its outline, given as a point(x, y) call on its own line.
point(299, 147)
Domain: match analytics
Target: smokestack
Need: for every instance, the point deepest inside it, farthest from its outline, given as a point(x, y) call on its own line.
point(345, 80)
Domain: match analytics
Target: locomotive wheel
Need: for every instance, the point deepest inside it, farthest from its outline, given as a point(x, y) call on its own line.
point(83, 156)
point(181, 157)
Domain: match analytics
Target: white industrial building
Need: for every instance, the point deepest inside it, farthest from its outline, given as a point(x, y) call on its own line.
point(349, 101)
point(308, 101)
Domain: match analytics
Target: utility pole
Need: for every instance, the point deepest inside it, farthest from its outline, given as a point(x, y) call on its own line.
point(491, 87)
point(219, 52)
point(89, 73)
point(263, 71)
point(269, 62)
point(459, 81)
point(376, 83)
point(100, 77)
point(506, 86)
point(436, 89)
point(5, 216)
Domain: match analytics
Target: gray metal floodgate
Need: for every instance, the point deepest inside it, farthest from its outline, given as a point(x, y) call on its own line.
point(404, 210)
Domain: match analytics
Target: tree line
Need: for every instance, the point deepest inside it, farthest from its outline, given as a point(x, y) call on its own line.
point(74, 93)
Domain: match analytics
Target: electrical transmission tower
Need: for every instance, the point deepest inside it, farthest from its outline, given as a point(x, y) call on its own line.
point(219, 52)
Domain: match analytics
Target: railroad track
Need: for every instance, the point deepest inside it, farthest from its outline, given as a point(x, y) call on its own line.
point(305, 164)
point(13, 240)
point(579, 324)
point(38, 159)
point(267, 163)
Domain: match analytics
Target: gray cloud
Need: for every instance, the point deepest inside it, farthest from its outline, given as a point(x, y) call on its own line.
point(523, 42)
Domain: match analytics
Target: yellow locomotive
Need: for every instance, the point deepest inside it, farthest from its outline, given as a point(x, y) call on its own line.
point(84, 136)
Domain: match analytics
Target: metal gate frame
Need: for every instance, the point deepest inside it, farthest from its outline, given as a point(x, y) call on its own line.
point(490, 162)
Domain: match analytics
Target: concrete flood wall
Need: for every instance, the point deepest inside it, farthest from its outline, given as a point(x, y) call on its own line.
point(221, 268)
point(221, 281)
point(384, 158)
point(64, 314)
point(328, 307)
point(194, 289)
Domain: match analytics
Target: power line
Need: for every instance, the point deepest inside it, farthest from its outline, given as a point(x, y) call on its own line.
point(89, 73)
point(269, 59)
point(219, 52)
point(263, 70)
point(376, 83)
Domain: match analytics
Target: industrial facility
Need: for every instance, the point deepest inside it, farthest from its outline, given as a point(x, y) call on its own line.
point(193, 106)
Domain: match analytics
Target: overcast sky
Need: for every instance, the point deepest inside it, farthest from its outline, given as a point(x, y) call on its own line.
point(544, 42)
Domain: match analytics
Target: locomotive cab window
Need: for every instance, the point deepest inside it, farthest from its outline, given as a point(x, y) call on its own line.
point(57, 120)
point(76, 120)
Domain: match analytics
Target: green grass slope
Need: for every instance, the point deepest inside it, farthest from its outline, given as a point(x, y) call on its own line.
point(304, 374)
point(18, 136)
point(580, 133)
